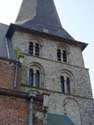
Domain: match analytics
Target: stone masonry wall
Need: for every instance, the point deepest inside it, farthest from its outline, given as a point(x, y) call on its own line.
point(48, 47)
point(79, 105)
point(79, 110)
point(80, 84)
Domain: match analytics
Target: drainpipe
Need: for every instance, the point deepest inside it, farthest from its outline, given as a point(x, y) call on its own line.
point(30, 111)
point(15, 77)
point(7, 47)
point(16, 70)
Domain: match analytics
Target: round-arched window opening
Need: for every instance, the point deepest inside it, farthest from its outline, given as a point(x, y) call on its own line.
point(66, 80)
point(36, 76)
point(72, 110)
point(65, 84)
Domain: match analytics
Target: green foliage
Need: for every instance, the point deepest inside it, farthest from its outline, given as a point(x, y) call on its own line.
point(19, 54)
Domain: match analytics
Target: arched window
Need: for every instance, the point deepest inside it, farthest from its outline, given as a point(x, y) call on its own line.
point(62, 84)
point(68, 84)
point(31, 77)
point(36, 75)
point(65, 83)
point(37, 78)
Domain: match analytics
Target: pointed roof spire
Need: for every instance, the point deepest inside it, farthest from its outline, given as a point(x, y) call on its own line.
point(41, 15)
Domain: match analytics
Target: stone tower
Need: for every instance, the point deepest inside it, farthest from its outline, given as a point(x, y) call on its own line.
point(49, 84)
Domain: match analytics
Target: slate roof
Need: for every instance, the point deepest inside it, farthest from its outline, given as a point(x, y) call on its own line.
point(4, 45)
point(47, 20)
point(3, 49)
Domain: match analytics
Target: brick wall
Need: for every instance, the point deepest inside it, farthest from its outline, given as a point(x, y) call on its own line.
point(13, 111)
point(7, 72)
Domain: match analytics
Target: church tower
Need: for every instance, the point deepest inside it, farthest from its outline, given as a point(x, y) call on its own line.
point(50, 80)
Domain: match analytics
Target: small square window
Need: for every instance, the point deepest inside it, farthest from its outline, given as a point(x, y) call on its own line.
point(58, 54)
point(30, 49)
point(37, 49)
point(64, 56)
point(61, 55)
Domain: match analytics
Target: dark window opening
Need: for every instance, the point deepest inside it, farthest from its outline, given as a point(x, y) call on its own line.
point(31, 74)
point(30, 49)
point(63, 84)
point(68, 85)
point(59, 55)
point(37, 78)
point(64, 56)
point(37, 49)
point(34, 77)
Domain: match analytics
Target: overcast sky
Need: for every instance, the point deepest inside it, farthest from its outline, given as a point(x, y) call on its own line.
point(77, 17)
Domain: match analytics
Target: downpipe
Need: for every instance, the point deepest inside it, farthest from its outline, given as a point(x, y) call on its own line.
point(30, 111)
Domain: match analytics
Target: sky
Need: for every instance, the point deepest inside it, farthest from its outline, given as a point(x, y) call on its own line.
point(77, 17)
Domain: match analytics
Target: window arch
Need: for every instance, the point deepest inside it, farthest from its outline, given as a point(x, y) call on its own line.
point(71, 109)
point(65, 84)
point(35, 75)
point(66, 80)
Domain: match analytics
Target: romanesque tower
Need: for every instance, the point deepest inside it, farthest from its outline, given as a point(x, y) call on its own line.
point(46, 82)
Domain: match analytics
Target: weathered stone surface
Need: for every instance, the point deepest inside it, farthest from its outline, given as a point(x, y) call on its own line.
point(78, 106)
point(48, 60)
point(48, 47)
point(79, 110)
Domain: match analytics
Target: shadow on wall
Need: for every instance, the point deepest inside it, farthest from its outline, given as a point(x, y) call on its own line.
point(55, 119)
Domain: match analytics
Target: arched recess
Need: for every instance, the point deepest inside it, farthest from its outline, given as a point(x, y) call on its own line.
point(37, 66)
point(68, 74)
point(71, 110)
